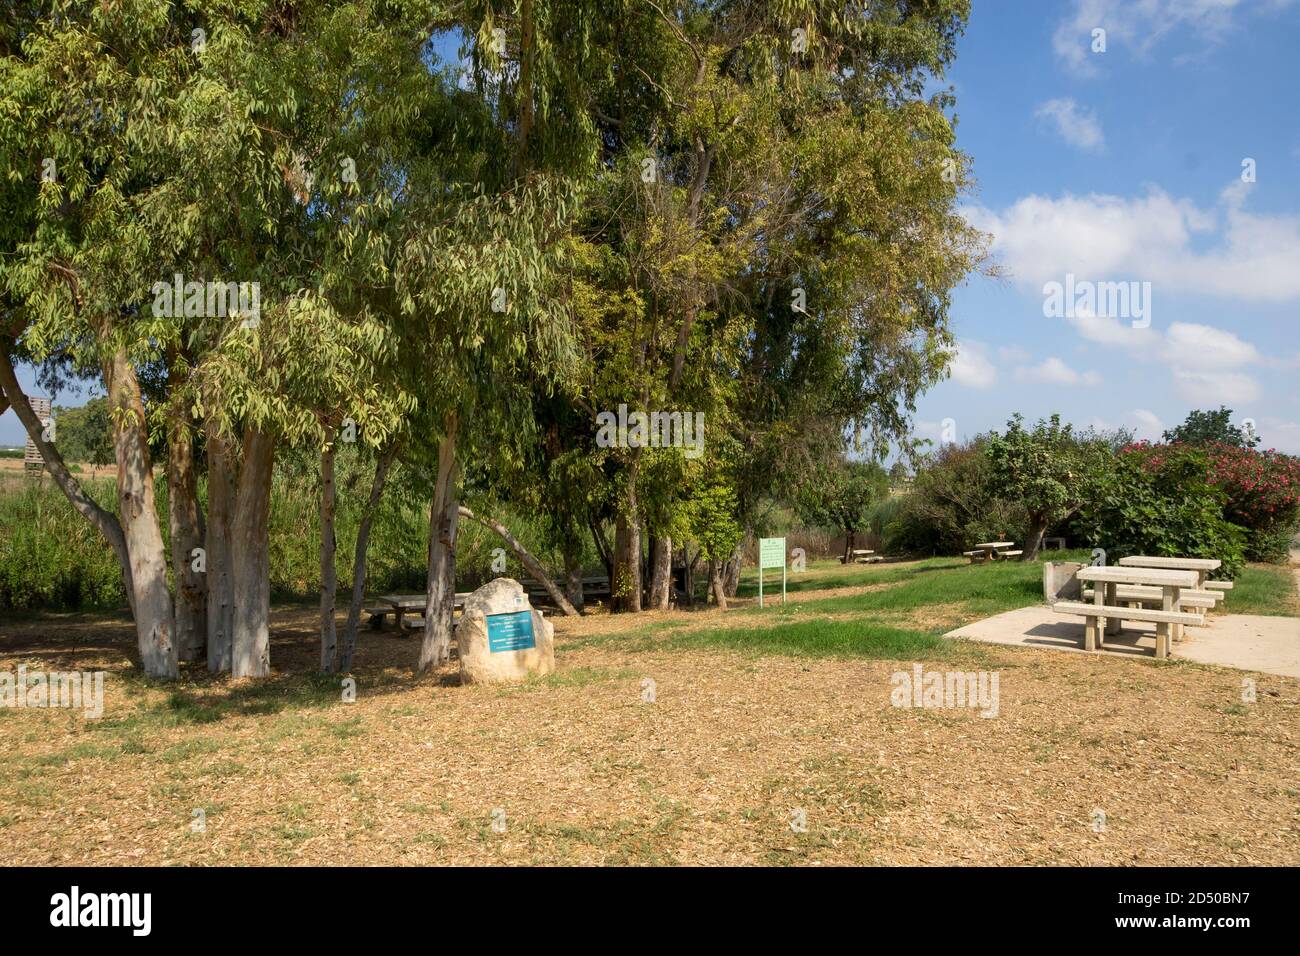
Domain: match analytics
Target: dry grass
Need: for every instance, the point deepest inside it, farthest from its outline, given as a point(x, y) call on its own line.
point(586, 771)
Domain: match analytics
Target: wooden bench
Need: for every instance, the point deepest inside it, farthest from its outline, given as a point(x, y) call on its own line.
point(1091, 613)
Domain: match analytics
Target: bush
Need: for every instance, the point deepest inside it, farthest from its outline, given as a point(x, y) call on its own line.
point(1263, 496)
point(952, 505)
point(1159, 500)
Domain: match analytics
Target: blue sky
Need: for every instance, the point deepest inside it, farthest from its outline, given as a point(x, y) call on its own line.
point(1126, 165)
point(1123, 165)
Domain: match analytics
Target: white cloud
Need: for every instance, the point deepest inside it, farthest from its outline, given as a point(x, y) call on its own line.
point(1280, 434)
point(971, 366)
point(1013, 353)
point(1215, 387)
point(1246, 256)
point(1191, 346)
point(1053, 371)
point(1078, 127)
point(1138, 25)
point(1148, 424)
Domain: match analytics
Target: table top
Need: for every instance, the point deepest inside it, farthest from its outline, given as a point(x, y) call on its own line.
point(406, 601)
point(1178, 564)
point(1129, 575)
point(996, 544)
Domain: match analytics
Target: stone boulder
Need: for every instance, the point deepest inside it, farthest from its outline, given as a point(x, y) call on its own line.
point(501, 637)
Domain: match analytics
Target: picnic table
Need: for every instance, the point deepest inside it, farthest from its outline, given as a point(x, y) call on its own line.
point(399, 604)
point(865, 556)
point(992, 551)
point(1202, 567)
point(1107, 603)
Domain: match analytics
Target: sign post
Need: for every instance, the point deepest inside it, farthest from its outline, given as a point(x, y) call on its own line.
point(771, 554)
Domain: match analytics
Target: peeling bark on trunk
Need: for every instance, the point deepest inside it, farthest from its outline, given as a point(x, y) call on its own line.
point(222, 484)
point(527, 560)
point(359, 561)
point(731, 572)
point(440, 592)
point(139, 517)
point(661, 573)
point(250, 559)
point(329, 579)
point(185, 523)
point(715, 584)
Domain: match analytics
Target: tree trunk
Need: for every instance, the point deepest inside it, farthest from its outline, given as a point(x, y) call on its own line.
point(625, 585)
point(329, 578)
point(440, 592)
point(104, 521)
point(848, 546)
point(527, 560)
point(731, 573)
point(1037, 528)
point(185, 523)
point(691, 563)
point(222, 481)
point(715, 585)
point(359, 561)
point(139, 516)
point(573, 574)
point(602, 547)
point(661, 573)
point(251, 559)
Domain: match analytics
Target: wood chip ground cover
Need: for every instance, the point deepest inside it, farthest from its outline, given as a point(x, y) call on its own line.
point(741, 740)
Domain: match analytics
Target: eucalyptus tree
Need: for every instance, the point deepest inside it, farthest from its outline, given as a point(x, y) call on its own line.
point(477, 274)
point(77, 127)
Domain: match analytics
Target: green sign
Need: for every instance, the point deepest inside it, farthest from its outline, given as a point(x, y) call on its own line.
point(771, 554)
point(510, 632)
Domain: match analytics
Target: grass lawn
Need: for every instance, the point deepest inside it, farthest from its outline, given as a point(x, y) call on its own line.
point(691, 737)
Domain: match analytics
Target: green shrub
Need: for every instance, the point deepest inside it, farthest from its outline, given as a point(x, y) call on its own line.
point(952, 504)
point(1161, 504)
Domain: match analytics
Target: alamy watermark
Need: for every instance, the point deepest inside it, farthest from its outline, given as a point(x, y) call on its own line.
point(1084, 299)
point(921, 688)
point(651, 430)
point(74, 689)
point(181, 299)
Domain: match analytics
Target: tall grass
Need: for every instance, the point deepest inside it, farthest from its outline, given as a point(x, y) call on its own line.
point(52, 559)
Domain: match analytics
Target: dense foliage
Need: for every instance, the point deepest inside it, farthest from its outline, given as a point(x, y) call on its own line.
point(1159, 501)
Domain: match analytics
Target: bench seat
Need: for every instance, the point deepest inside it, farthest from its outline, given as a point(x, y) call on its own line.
point(1138, 592)
point(1219, 585)
point(1008, 554)
point(1094, 613)
point(1126, 613)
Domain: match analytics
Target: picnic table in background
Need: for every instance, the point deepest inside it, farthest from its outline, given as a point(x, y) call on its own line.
point(992, 551)
point(1169, 618)
point(865, 556)
point(399, 604)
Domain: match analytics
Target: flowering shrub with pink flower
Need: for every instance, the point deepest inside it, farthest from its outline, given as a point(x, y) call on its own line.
point(1262, 491)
